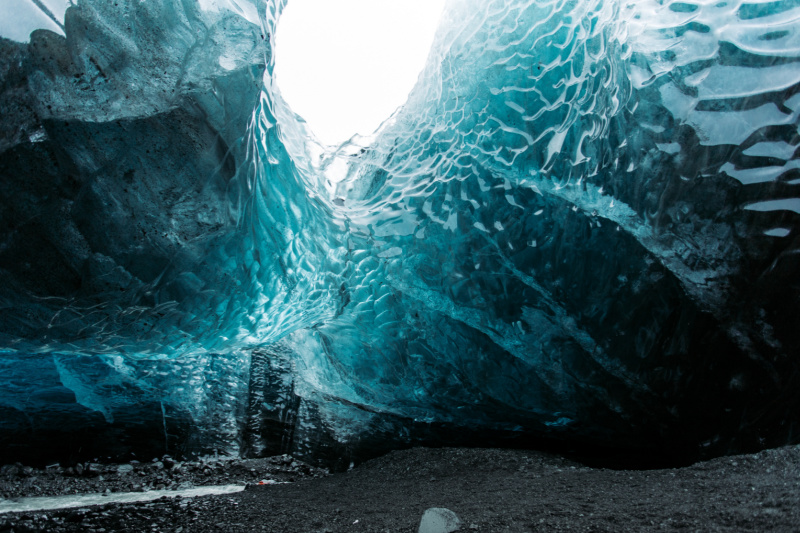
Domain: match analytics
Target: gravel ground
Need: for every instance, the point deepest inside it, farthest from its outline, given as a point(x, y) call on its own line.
point(491, 490)
point(166, 473)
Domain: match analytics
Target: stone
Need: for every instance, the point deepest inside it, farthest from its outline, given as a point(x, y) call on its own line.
point(439, 520)
point(9, 470)
point(92, 469)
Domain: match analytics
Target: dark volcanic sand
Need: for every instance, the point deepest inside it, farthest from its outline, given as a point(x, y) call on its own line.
point(489, 489)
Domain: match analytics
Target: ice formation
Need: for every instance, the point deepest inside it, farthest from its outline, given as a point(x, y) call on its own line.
point(581, 226)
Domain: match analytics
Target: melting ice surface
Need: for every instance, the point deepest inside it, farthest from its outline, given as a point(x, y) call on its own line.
point(49, 503)
point(582, 225)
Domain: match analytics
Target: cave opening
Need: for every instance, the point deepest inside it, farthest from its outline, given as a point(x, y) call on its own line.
point(346, 66)
point(573, 233)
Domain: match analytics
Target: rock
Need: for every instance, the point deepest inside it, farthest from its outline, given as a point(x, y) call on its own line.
point(9, 470)
point(439, 520)
point(92, 469)
point(125, 469)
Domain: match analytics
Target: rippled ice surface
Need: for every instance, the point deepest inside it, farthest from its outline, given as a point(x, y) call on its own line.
point(582, 223)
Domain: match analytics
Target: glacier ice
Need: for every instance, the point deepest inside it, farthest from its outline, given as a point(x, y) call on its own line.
point(580, 227)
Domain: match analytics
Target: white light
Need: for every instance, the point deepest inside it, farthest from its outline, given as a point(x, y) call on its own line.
point(18, 18)
point(346, 65)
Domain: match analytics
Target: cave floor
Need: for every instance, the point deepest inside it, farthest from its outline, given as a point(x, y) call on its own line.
point(491, 490)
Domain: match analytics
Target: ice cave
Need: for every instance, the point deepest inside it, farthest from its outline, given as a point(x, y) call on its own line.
point(581, 231)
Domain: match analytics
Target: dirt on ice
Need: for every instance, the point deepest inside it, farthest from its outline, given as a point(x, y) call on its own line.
point(491, 490)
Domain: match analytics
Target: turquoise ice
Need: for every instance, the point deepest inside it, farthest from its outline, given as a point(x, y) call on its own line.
point(582, 224)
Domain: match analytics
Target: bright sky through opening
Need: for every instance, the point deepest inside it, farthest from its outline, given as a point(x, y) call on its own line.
point(346, 65)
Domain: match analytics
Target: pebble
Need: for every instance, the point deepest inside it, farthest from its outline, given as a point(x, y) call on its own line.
point(439, 520)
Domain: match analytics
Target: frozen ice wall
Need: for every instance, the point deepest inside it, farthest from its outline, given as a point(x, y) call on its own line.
point(580, 223)
point(581, 226)
point(149, 212)
point(146, 187)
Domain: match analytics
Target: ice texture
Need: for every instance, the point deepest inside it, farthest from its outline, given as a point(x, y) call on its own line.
point(580, 226)
point(51, 503)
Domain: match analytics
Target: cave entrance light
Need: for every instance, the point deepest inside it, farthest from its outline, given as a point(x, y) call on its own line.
point(345, 66)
